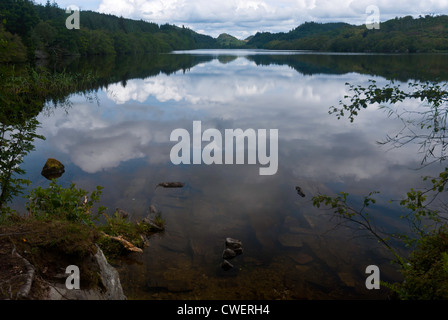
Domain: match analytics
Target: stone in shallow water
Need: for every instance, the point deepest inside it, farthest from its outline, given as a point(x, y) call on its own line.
point(347, 278)
point(290, 240)
point(301, 258)
point(52, 169)
point(226, 265)
point(300, 192)
point(228, 254)
point(235, 245)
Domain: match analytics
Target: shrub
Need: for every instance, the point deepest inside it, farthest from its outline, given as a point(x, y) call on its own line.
point(426, 276)
point(71, 203)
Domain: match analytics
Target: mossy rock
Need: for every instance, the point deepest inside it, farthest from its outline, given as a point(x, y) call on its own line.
point(53, 169)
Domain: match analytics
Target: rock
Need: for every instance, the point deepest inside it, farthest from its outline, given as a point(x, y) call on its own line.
point(121, 213)
point(110, 290)
point(235, 245)
point(347, 279)
point(290, 240)
point(110, 278)
point(300, 192)
point(176, 242)
point(301, 258)
point(152, 224)
point(233, 248)
point(170, 185)
point(26, 273)
point(153, 209)
point(228, 254)
point(52, 169)
point(226, 265)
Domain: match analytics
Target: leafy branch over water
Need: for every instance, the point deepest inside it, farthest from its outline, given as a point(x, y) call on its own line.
point(426, 126)
point(425, 270)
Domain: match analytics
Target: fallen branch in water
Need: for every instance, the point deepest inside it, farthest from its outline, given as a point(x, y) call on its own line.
point(129, 246)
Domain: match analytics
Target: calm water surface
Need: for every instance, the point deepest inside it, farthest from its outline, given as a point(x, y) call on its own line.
point(121, 140)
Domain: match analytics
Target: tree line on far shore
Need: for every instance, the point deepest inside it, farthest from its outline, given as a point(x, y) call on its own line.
point(29, 30)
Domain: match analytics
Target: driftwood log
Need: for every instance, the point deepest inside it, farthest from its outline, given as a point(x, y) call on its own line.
point(126, 244)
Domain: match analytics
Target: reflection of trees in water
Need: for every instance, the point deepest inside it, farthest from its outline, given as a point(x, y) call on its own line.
point(112, 69)
point(121, 68)
point(26, 92)
point(392, 66)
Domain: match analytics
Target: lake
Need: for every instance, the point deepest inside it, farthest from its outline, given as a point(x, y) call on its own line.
point(119, 138)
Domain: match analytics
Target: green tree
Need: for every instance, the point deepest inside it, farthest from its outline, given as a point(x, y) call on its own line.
point(18, 16)
point(12, 48)
point(16, 141)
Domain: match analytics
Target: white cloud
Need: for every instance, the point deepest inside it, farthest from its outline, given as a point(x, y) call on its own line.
point(242, 18)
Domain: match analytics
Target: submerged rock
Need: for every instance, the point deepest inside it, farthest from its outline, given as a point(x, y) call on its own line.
point(109, 289)
point(301, 258)
point(226, 265)
point(300, 192)
point(170, 185)
point(52, 169)
point(235, 245)
point(152, 224)
point(228, 254)
point(153, 209)
point(290, 240)
point(121, 213)
point(233, 248)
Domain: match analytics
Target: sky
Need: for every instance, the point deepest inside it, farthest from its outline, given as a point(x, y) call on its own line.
point(242, 18)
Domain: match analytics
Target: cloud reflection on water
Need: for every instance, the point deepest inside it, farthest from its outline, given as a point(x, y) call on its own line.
point(135, 121)
point(124, 145)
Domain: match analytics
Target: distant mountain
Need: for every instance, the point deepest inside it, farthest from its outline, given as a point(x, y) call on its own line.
point(225, 40)
point(248, 38)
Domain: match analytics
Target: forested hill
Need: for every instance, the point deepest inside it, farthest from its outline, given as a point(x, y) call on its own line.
point(406, 34)
point(27, 29)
